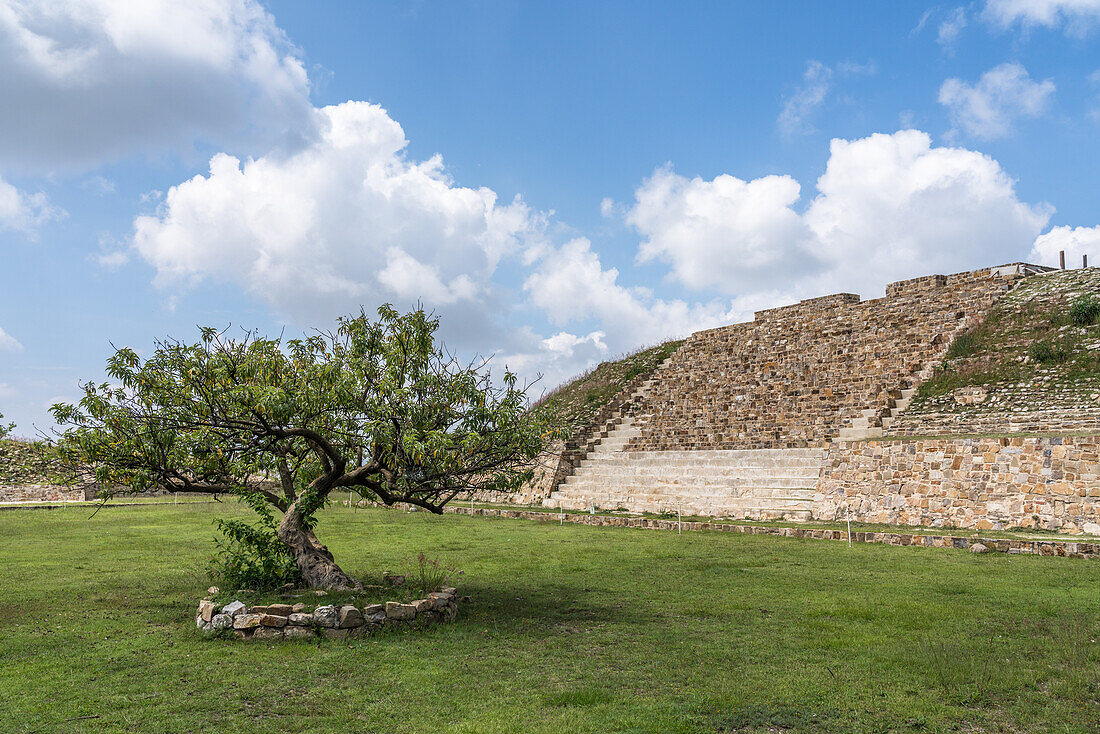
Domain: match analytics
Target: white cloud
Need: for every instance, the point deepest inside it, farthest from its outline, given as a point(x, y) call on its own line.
point(800, 106)
point(1075, 242)
point(893, 206)
point(97, 79)
point(570, 285)
point(888, 207)
point(726, 233)
point(8, 343)
point(1077, 15)
point(950, 29)
point(987, 109)
point(24, 212)
point(346, 220)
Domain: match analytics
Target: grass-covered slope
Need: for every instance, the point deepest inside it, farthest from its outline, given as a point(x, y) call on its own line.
point(577, 401)
point(1037, 348)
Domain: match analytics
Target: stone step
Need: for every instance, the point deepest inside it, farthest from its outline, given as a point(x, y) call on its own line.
point(740, 477)
point(689, 484)
point(582, 489)
point(724, 454)
point(859, 434)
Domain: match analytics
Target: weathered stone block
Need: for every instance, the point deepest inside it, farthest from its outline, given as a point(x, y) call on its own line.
point(326, 616)
point(398, 611)
point(247, 621)
point(233, 608)
point(272, 620)
point(206, 610)
point(350, 616)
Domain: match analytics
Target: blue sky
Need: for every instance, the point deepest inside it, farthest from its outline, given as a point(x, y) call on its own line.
point(608, 174)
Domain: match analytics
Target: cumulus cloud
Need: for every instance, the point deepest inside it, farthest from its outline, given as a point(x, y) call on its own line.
point(1074, 241)
point(22, 211)
point(346, 220)
point(887, 207)
point(8, 343)
point(85, 81)
point(725, 233)
point(1078, 16)
point(570, 285)
point(987, 109)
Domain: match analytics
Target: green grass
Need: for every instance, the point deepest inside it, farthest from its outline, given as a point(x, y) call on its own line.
point(577, 401)
point(1043, 331)
point(572, 629)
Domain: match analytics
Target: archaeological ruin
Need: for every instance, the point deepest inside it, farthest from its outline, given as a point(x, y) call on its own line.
point(807, 413)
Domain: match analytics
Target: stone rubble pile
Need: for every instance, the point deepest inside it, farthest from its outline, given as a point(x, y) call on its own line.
point(292, 621)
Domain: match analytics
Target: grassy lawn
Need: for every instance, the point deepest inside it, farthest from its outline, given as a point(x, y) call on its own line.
point(571, 629)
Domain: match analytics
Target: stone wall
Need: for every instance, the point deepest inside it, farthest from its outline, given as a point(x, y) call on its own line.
point(1012, 419)
point(1021, 546)
point(294, 622)
point(40, 493)
point(796, 375)
point(1051, 483)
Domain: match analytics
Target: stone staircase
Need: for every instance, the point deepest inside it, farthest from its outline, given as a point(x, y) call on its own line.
point(872, 423)
point(744, 483)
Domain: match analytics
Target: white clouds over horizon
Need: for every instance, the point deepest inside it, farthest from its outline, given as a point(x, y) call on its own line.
point(987, 109)
point(89, 81)
point(1074, 241)
point(347, 220)
point(888, 207)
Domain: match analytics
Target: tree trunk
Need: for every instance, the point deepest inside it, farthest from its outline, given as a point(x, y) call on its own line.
point(315, 562)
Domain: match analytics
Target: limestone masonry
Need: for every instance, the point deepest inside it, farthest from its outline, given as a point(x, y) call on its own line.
point(800, 414)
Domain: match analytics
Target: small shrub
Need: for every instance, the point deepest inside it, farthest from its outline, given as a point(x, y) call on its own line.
point(1085, 311)
point(965, 344)
point(430, 574)
point(1047, 352)
point(251, 556)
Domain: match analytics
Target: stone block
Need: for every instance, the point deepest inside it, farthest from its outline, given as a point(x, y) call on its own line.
point(399, 612)
point(301, 619)
point(267, 633)
point(247, 621)
point(326, 616)
point(350, 616)
point(280, 609)
point(221, 621)
point(293, 632)
point(206, 610)
point(272, 620)
point(233, 608)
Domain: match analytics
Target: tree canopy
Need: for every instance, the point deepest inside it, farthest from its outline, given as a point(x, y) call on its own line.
point(376, 407)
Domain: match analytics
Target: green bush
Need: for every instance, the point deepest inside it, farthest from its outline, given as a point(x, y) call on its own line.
point(964, 345)
point(1047, 352)
point(431, 575)
point(1085, 311)
point(251, 556)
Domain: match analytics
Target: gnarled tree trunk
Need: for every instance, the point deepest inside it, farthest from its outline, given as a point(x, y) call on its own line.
point(315, 562)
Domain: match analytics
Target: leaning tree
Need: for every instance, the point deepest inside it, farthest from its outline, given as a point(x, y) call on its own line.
point(375, 407)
